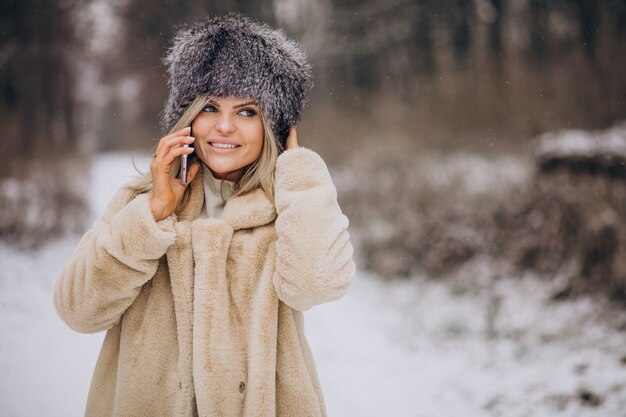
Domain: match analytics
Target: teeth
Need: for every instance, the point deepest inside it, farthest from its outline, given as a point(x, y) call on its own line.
point(223, 145)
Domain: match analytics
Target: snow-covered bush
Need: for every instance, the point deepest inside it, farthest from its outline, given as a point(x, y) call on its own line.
point(427, 211)
point(43, 198)
point(559, 212)
point(571, 220)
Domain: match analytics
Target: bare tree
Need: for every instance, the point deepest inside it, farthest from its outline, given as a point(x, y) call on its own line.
point(37, 103)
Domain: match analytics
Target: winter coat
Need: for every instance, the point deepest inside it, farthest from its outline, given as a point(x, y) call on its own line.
point(204, 315)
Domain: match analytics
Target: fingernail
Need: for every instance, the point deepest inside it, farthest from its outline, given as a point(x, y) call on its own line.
point(187, 128)
point(191, 137)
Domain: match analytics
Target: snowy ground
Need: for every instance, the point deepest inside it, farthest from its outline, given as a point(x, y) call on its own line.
point(416, 347)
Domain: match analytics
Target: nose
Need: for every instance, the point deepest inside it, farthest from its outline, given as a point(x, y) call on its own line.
point(225, 124)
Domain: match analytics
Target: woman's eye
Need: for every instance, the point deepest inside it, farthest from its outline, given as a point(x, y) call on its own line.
point(247, 112)
point(210, 108)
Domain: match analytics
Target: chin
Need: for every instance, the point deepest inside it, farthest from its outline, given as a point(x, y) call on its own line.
point(219, 166)
point(221, 170)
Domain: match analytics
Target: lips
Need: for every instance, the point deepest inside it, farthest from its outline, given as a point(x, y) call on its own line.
point(226, 141)
point(223, 146)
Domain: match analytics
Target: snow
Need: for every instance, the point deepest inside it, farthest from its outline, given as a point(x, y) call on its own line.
point(463, 346)
point(423, 348)
point(473, 173)
point(571, 142)
point(45, 366)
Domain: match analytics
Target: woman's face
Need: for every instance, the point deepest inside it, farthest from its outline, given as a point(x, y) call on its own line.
point(229, 135)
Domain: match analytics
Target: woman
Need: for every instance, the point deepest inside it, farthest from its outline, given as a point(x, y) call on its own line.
point(201, 287)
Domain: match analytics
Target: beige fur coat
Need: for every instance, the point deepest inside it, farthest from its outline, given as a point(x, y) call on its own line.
point(204, 315)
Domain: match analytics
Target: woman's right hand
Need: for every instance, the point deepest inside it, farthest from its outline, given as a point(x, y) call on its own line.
point(167, 191)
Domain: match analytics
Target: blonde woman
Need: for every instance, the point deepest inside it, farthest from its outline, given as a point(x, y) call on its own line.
point(201, 286)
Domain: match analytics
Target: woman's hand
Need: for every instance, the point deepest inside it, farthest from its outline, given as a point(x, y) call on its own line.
point(167, 191)
point(292, 139)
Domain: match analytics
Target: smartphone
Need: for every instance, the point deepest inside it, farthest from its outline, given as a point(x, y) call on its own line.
point(184, 165)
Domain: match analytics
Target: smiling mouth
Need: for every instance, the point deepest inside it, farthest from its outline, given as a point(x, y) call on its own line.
point(223, 145)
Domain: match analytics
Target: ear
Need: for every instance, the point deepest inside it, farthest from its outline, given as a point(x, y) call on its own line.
point(292, 139)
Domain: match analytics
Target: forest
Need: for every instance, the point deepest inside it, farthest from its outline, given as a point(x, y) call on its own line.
point(87, 74)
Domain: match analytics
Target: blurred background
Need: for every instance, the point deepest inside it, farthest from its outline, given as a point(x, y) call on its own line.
point(478, 148)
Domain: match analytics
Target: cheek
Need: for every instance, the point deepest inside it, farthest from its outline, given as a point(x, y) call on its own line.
point(255, 140)
point(200, 127)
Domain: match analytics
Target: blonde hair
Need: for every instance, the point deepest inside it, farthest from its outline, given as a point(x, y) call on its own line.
point(259, 174)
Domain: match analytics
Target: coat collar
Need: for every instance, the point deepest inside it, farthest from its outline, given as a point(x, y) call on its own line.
point(241, 212)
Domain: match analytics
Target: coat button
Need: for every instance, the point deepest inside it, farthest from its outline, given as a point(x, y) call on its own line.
point(242, 386)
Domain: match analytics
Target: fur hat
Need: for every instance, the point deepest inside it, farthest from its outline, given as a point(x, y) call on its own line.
point(235, 56)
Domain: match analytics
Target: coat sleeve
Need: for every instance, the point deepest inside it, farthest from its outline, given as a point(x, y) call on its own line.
point(314, 261)
point(112, 261)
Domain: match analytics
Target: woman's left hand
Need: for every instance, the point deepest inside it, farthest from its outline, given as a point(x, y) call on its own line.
point(292, 139)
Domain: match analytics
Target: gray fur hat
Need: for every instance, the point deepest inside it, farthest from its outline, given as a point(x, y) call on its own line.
point(235, 56)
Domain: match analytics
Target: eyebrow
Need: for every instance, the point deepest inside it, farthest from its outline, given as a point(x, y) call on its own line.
point(247, 103)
